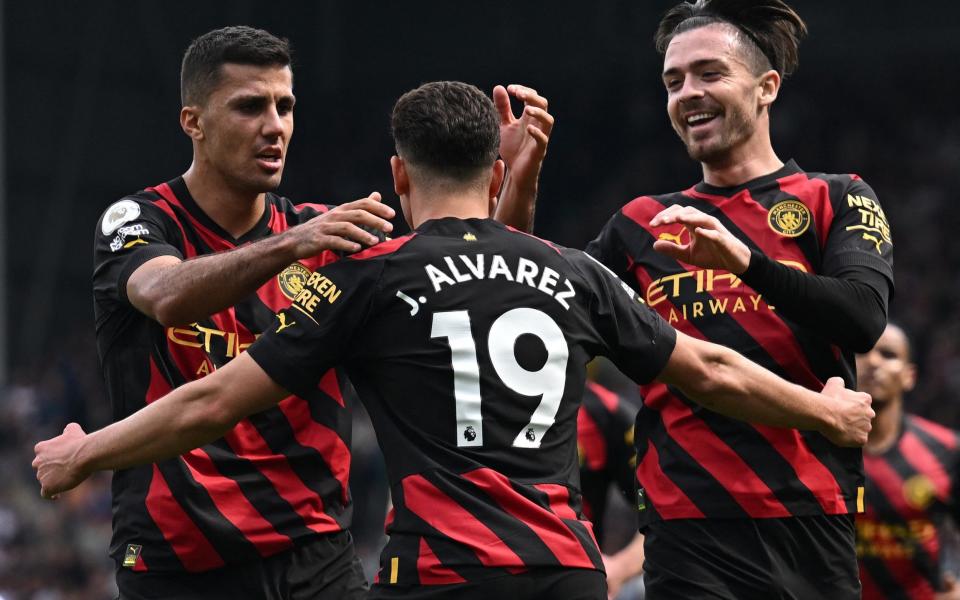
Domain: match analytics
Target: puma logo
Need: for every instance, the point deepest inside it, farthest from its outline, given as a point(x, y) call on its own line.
point(671, 237)
point(283, 322)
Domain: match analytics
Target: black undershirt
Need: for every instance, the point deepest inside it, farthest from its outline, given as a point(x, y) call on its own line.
point(849, 308)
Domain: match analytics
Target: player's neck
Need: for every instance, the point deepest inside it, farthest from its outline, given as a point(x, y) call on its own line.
point(750, 160)
point(467, 205)
point(237, 212)
point(886, 427)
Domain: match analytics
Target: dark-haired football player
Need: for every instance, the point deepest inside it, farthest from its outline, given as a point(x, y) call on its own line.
point(789, 267)
point(188, 273)
point(912, 468)
point(467, 341)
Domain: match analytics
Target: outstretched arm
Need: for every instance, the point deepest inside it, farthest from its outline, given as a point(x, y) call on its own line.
point(175, 292)
point(186, 418)
point(523, 146)
point(728, 383)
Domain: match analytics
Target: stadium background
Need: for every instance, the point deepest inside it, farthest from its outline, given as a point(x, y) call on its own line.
point(90, 109)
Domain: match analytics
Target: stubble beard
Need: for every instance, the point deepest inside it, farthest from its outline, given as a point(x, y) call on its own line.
point(737, 127)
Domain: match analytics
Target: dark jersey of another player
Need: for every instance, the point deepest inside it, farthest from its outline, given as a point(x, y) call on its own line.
point(695, 463)
point(605, 446)
point(279, 476)
point(468, 344)
point(911, 491)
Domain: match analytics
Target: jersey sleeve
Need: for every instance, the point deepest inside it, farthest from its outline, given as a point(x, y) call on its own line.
point(628, 332)
point(607, 248)
point(129, 233)
point(859, 235)
point(321, 327)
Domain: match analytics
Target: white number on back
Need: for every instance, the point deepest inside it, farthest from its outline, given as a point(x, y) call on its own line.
point(548, 382)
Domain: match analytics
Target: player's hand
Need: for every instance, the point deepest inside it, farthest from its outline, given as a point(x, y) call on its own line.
point(951, 591)
point(852, 414)
point(710, 245)
point(616, 575)
point(341, 228)
point(523, 140)
point(56, 462)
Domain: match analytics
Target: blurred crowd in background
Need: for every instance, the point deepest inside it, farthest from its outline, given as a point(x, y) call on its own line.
point(91, 107)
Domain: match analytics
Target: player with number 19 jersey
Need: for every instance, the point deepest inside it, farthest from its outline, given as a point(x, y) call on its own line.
point(467, 341)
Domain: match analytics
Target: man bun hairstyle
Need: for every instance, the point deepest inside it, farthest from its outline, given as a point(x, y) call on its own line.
point(200, 70)
point(448, 128)
point(770, 29)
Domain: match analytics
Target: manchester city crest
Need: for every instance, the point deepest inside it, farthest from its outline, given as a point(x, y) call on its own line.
point(292, 279)
point(789, 218)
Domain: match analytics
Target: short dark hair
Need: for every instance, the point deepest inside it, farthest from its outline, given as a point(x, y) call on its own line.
point(447, 127)
point(770, 31)
point(200, 69)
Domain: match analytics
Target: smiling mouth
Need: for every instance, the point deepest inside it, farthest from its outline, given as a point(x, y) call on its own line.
point(700, 119)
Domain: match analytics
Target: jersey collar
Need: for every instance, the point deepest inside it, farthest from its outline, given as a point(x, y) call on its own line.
point(789, 168)
point(260, 230)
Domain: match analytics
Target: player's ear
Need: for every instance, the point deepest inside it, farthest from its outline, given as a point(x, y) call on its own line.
point(769, 87)
point(190, 122)
point(499, 169)
point(908, 377)
point(401, 181)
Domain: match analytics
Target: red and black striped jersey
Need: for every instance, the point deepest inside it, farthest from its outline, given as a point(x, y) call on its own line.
point(605, 447)
point(911, 491)
point(468, 343)
point(279, 476)
point(693, 462)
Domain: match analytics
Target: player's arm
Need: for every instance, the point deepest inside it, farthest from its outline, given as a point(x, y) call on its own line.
point(644, 347)
point(523, 146)
point(726, 382)
point(188, 417)
point(846, 305)
point(173, 291)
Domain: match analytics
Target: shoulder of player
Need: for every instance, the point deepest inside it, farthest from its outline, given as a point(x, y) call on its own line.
point(641, 209)
point(946, 437)
point(297, 212)
point(147, 203)
point(383, 250)
point(840, 185)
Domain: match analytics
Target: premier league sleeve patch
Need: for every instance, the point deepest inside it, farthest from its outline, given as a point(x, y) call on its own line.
point(119, 213)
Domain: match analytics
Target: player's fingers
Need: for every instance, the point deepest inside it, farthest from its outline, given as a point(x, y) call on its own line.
point(350, 231)
point(529, 96)
point(696, 219)
point(671, 249)
point(833, 384)
point(369, 205)
point(665, 216)
point(337, 243)
point(73, 428)
point(539, 137)
point(363, 218)
point(710, 234)
point(501, 99)
point(542, 118)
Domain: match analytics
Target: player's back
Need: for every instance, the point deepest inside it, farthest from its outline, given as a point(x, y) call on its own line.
point(468, 342)
point(473, 388)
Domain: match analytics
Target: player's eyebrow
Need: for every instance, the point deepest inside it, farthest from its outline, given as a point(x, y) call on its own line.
point(694, 66)
point(259, 99)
